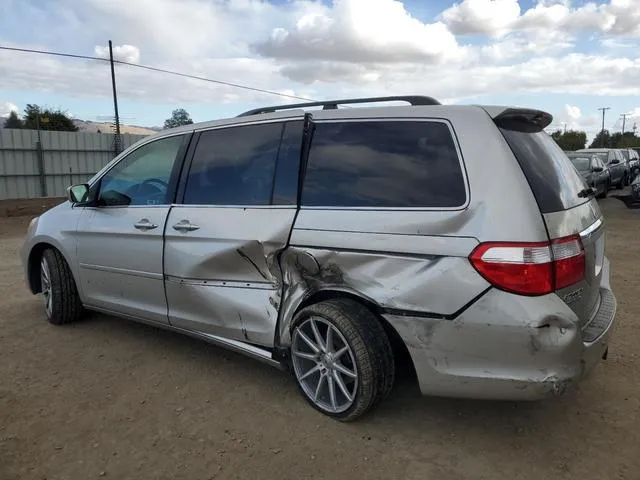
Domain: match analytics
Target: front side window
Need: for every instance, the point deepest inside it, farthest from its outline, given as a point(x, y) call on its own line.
point(385, 164)
point(234, 166)
point(143, 176)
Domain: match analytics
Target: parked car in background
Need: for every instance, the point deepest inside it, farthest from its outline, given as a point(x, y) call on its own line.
point(633, 159)
point(595, 173)
point(615, 162)
point(635, 189)
point(333, 242)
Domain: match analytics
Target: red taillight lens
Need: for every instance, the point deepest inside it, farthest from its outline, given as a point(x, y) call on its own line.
point(568, 256)
point(530, 268)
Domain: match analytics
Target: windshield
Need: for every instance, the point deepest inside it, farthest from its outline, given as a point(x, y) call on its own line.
point(582, 164)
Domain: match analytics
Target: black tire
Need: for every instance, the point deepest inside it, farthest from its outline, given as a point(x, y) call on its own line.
point(65, 306)
point(620, 184)
point(605, 191)
point(370, 346)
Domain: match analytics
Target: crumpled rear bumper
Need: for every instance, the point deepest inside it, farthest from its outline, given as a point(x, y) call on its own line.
point(508, 347)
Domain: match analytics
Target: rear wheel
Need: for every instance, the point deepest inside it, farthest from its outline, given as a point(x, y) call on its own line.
point(59, 292)
point(605, 191)
point(342, 358)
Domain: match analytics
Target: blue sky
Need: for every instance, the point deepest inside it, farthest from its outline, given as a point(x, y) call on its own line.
point(566, 57)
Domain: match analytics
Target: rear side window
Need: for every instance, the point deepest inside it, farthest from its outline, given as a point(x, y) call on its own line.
point(387, 164)
point(234, 166)
point(553, 180)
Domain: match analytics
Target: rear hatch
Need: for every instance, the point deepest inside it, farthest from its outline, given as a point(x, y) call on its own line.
point(572, 215)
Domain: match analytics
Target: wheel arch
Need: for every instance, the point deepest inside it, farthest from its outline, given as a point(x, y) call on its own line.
point(400, 350)
point(33, 263)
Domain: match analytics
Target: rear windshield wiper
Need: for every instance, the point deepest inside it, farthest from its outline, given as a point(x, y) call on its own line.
point(587, 192)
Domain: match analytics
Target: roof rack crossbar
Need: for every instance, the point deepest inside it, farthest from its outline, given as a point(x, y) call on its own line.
point(333, 104)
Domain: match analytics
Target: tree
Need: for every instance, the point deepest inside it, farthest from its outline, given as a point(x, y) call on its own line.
point(602, 140)
point(48, 119)
point(629, 139)
point(178, 118)
point(13, 121)
point(570, 140)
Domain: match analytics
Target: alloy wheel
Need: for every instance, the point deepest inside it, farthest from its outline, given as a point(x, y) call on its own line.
point(45, 279)
point(324, 365)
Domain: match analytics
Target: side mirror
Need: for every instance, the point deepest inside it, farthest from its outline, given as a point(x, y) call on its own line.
point(597, 169)
point(78, 193)
point(615, 161)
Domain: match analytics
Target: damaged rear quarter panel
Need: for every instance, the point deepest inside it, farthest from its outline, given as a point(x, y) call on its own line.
point(427, 274)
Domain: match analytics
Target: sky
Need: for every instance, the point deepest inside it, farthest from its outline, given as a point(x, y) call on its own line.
point(567, 57)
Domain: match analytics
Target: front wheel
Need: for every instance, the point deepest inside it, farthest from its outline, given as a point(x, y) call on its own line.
point(342, 359)
point(59, 292)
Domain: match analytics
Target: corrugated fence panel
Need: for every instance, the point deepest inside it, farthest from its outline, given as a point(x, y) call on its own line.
point(68, 158)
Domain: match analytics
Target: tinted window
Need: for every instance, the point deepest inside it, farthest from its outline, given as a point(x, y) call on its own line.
point(234, 166)
point(285, 191)
point(383, 164)
point(553, 180)
point(143, 176)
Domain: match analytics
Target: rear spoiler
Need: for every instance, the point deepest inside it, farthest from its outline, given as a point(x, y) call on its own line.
point(520, 119)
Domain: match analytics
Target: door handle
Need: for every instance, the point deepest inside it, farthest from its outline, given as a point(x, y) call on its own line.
point(145, 224)
point(185, 226)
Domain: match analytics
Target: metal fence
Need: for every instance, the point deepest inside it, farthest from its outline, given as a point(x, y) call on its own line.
point(30, 169)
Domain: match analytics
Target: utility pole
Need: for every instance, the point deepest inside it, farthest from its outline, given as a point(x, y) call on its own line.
point(603, 110)
point(624, 120)
point(115, 99)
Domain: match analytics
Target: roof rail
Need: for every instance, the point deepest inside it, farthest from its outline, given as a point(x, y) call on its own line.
point(333, 104)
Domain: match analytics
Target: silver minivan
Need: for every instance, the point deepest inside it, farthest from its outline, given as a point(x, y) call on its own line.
point(334, 241)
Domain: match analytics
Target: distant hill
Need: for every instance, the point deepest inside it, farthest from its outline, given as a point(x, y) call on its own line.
point(105, 127)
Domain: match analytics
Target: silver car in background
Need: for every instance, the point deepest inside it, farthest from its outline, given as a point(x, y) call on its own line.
point(331, 242)
point(594, 171)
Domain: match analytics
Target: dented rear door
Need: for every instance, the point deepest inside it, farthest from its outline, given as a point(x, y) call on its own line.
point(223, 239)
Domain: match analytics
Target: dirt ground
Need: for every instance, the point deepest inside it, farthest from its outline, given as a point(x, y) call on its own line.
point(111, 398)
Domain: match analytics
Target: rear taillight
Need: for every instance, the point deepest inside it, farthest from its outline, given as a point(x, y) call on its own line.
point(530, 268)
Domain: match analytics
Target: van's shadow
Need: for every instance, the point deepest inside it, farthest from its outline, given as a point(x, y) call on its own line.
point(405, 411)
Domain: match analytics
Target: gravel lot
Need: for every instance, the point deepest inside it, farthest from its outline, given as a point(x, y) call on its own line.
point(111, 398)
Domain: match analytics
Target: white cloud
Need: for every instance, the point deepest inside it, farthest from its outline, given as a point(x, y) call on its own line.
point(573, 112)
point(361, 31)
point(490, 17)
point(125, 53)
point(498, 17)
point(6, 108)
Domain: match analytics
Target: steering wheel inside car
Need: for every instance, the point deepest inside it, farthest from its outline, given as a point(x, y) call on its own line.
point(150, 191)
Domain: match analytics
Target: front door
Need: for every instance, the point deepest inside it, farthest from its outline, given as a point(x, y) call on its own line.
point(120, 240)
point(223, 239)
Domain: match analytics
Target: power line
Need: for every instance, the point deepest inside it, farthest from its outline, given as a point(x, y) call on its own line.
point(155, 69)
